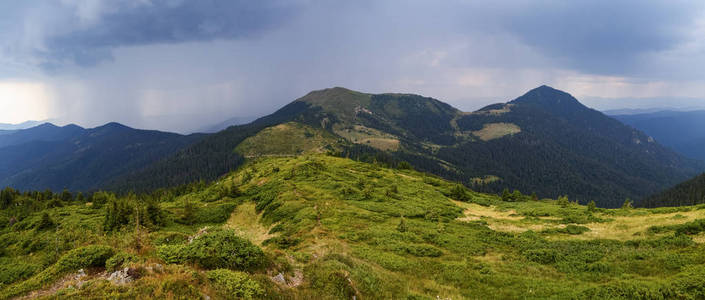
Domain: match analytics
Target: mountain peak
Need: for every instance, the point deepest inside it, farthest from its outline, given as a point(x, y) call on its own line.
point(340, 101)
point(334, 94)
point(550, 99)
point(46, 125)
point(112, 126)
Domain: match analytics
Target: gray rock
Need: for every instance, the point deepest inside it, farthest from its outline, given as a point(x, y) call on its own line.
point(120, 277)
point(279, 279)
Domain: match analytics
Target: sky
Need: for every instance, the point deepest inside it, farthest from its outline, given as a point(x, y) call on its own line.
point(181, 65)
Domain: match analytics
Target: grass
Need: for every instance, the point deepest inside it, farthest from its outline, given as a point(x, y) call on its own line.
point(247, 223)
point(288, 139)
point(493, 131)
point(336, 229)
point(368, 136)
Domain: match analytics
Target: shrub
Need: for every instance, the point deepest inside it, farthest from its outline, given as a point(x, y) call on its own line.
point(214, 214)
point(224, 249)
point(84, 257)
point(542, 256)
point(180, 289)
point(233, 284)
point(575, 229)
point(118, 261)
point(172, 254)
point(117, 213)
point(402, 227)
point(170, 238)
point(423, 251)
point(331, 278)
point(458, 192)
point(12, 271)
point(283, 242)
point(403, 165)
point(45, 222)
point(216, 250)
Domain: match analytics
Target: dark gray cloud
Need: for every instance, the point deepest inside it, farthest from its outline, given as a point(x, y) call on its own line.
point(90, 39)
point(605, 37)
point(182, 64)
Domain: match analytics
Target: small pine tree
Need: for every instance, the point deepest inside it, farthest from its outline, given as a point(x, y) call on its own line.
point(534, 197)
point(563, 201)
point(517, 196)
point(627, 204)
point(402, 227)
point(403, 165)
point(367, 193)
point(458, 192)
point(66, 196)
point(591, 207)
point(80, 198)
point(189, 212)
point(506, 196)
point(45, 222)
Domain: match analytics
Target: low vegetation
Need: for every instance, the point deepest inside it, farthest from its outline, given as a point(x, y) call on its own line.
point(323, 227)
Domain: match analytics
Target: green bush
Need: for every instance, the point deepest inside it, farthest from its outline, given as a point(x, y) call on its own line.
point(575, 229)
point(233, 284)
point(170, 238)
point(12, 271)
point(217, 250)
point(330, 277)
point(173, 254)
point(89, 256)
point(423, 251)
point(45, 222)
point(460, 193)
point(214, 214)
point(282, 241)
point(180, 289)
point(224, 249)
point(118, 261)
point(542, 256)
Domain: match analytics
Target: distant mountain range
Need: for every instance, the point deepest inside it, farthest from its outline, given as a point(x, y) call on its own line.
point(225, 124)
point(544, 142)
point(75, 158)
point(23, 125)
point(683, 131)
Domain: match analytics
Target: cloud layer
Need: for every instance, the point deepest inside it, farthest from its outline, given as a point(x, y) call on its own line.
point(179, 65)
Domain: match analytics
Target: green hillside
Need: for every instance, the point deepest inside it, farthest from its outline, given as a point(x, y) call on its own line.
point(288, 139)
point(322, 227)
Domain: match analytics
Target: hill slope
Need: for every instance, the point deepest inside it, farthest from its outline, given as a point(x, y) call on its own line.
point(544, 142)
point(682, 131)
point(50, 157)
point(689, 192)
point(320, 227)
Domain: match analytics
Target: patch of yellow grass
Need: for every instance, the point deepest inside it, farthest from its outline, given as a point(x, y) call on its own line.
point(619, 228)
point(246, 223)
point(699, 238)
point(498, 220)
point(369, 136)
point(382, 143)
point(493, 131)
point(630, 227)
point(475, 212)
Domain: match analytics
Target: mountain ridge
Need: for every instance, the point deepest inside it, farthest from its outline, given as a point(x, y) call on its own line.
point(72, 157)
point(529, 143)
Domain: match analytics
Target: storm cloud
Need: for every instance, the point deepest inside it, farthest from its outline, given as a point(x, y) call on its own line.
point(181, 65)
